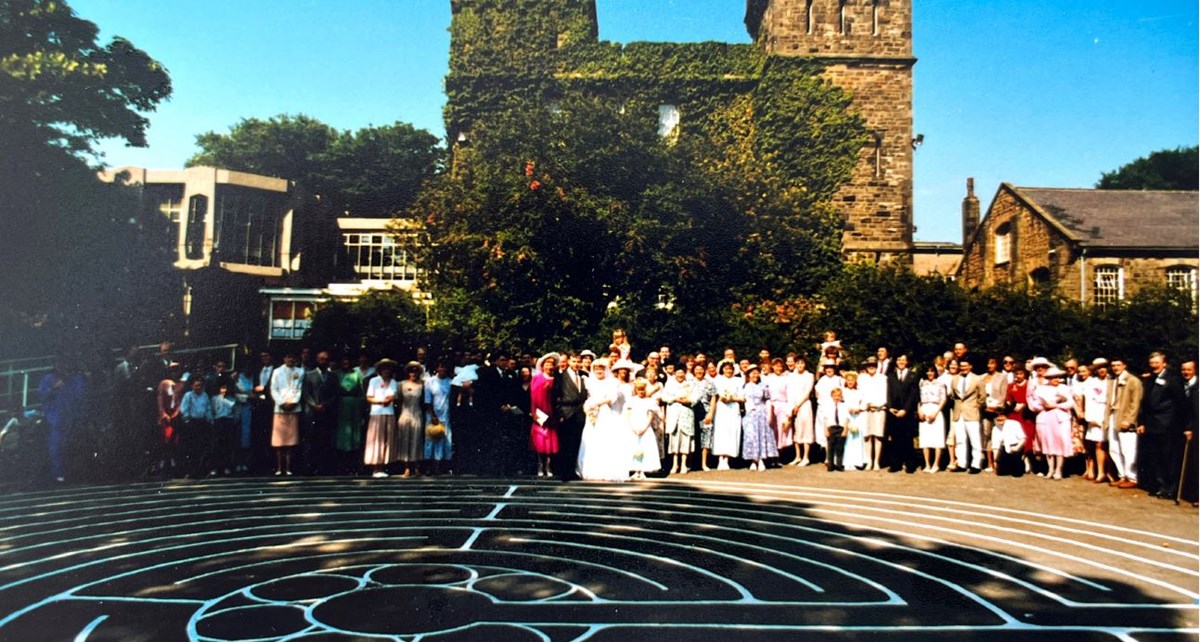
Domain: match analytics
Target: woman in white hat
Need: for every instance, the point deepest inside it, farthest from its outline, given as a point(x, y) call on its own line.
point(1054, 403)
point(543, 430)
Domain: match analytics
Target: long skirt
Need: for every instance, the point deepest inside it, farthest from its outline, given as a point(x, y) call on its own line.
point(380, 446)
point(758, 439)
point(349, 436)
point(780, 413)
point(1054, 433)
point(802, 427)
point(410, 438)
point(285, 430)
point(727, 430)
point(932, 435)
point(853, 451)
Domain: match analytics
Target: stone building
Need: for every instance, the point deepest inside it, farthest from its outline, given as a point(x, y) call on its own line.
point(865, 47)
point(515, 50)
point(1093, 246)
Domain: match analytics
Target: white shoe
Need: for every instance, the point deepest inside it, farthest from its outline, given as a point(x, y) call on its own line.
point(684, 470)
point(723, 465)
point(989, 469)
point(379, 474)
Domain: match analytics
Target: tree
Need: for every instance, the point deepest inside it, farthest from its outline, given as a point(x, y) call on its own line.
point(80, 268)
point(384, 324)
point(1168, 169)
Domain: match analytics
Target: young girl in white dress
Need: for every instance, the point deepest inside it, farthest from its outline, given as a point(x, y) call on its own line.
point(641, 412)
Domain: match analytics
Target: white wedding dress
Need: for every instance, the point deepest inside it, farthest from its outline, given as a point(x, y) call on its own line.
point(605, 449)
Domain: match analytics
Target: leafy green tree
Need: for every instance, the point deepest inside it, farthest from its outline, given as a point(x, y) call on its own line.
point(379, 323)
point(80, 262)
point(1167, 169)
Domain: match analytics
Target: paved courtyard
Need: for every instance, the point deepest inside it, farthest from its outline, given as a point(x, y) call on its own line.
point(784, 554)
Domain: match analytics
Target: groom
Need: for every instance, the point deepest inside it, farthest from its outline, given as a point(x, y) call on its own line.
point(569, 394)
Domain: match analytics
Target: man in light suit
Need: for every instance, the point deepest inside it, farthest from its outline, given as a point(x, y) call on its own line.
point(569, 393)
point(1124, 403)
point(969, 396)
point(995, 384)
point(1159, 424)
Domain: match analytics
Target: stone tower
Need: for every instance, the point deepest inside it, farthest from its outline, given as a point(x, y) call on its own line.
point(865, 47)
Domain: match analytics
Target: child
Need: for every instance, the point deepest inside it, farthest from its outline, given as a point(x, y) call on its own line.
point(226, 421)
point(835, 416)
point(196, 414)
point(642, 412)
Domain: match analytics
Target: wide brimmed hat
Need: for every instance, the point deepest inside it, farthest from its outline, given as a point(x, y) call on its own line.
point(386, 363)
point(626, 364)
point(542, 359)
point(602, 362)
point(1040, 361)
point(414, 365)
point(587, 353)
point(1099, 361)
point(871, 362)
point(1054, 373)
point(753, 366)
point(828, 363)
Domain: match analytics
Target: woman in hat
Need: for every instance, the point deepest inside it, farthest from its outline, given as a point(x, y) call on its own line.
point(758, 439)
point(543, 430)
point(410, 424)
point(380, 444)
point(726, 415)
point(1053, 402)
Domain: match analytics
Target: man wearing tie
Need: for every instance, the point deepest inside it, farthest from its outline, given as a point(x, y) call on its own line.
point(901, 421)
point(568, 393)
point(1124, 402)
point(1159, 426)
point(968, 395)
point(320, 394)
point(262, 410)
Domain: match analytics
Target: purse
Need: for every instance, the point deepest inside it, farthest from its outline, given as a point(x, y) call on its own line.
point(434, 432)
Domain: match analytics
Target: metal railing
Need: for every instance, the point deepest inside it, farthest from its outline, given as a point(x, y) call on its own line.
point(19, 378)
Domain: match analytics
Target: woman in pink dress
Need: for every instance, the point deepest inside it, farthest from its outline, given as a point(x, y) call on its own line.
point(543, 431)
point(1054, 403)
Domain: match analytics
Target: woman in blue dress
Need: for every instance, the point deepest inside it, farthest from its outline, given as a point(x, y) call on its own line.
point(758, 439)
point(438, 447)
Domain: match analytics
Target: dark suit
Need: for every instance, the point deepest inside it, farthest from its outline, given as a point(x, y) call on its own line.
point(321, 388)
point(1191, 415)
point(902, 395)
point(568, 405)
point(1163, 404)
point(478, 442)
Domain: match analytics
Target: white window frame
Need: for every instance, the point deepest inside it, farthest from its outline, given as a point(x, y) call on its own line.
point(1183, 277)
point(1104, 272)
point(1003, 243)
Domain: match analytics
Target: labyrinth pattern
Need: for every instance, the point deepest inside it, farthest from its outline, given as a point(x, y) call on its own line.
point(459, 559)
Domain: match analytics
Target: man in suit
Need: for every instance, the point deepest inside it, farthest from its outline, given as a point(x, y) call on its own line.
point(569, 394)
point(969, 396)
point(484, 442)
point(1191, 414)
point(1124, 403)
point(321, 393)
point(995, 385)
point(1159, 427)
point(901, 425)
point(884, 361)
point(262, 412)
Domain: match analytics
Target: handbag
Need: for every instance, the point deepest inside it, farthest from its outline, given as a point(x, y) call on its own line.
point(434, 432)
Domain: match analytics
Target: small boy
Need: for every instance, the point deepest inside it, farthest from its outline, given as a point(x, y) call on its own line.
point(196, 414)
point(225, 430)
point(835, 416)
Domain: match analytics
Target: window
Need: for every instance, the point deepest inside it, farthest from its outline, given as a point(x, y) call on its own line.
point(1004, 244)
point(843, 28)
point(378, 256)
point(874, 17)
point(878, 154)
point(249, 226)
point(291, 319)
point(1110, 285)
point(194, 236)
point(668, 120)
point(168, 202)
point(1183, 278)
point(808, 17)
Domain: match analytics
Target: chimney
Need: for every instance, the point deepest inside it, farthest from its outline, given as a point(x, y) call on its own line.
point(970, 213)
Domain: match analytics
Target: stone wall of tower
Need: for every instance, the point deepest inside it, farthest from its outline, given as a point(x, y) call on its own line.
point(865, 47)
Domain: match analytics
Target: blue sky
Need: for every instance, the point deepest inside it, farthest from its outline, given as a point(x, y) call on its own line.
point(1036, 93)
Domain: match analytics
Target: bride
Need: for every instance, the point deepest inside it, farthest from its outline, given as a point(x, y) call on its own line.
point(604, 450)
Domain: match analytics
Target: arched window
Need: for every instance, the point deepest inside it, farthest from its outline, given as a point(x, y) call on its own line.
point(874, 17)
point(842, 24)
point(808, 17)
point(194, 236)
point(1004, 244)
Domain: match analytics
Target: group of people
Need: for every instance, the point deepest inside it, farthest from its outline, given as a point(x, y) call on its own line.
point(576, 415)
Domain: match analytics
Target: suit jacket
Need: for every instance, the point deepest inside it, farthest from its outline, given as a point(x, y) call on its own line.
point(995, 387)
point(317, 392)
point(568, 397)
point(1163, 403)
point(1124, 400)
point(903, 394)
point(1192, 409)
point(493, 389)
point(969, 400)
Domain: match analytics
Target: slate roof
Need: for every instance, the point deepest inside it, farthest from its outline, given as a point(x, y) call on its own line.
point(1120, 218)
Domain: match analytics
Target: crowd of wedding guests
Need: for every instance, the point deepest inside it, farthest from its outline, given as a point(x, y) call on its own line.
point(618, 417)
